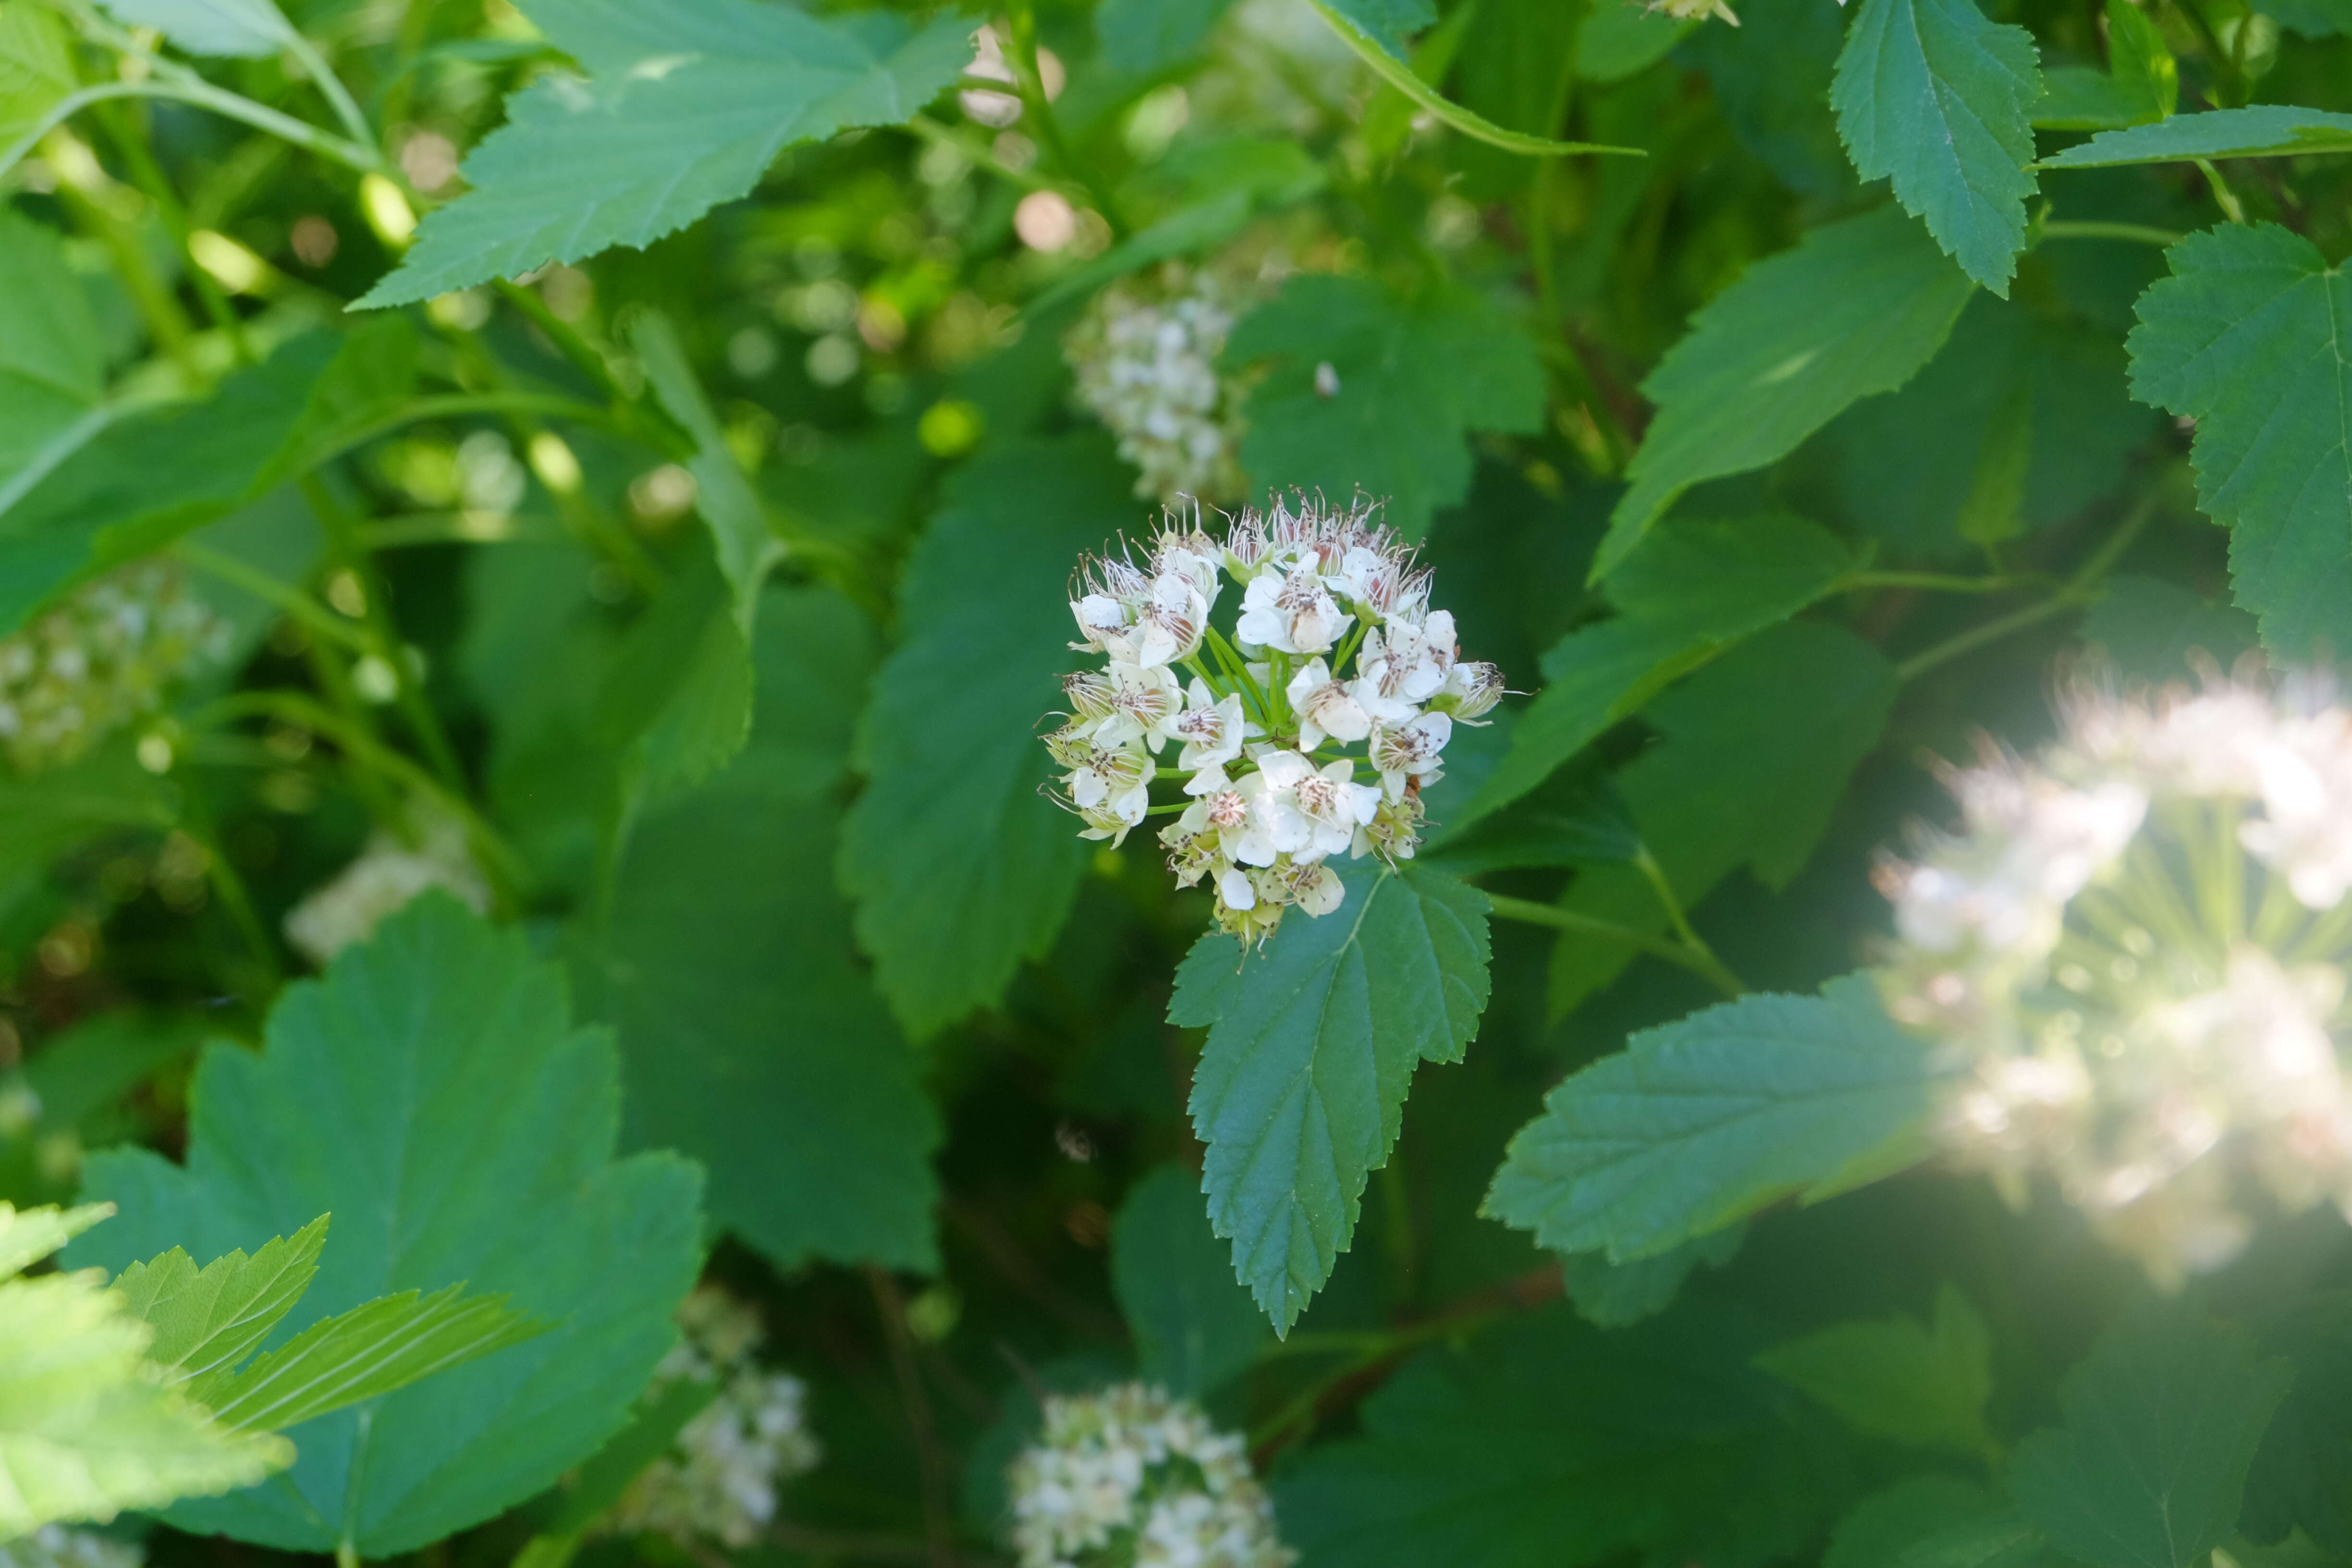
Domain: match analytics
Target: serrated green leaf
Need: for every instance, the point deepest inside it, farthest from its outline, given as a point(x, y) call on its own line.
point(1922, 1383)
point(597, 1485)
point(1312, 1044)
point(85, 1430)
point(746, 547)
point(960, 868)
point(1373, 29)
point(433, 1095)
point(1195, 1328)
point(208, 1320)
point(2246, 337)
point(2301, 1479)
point(687, 104)
point(1547, 1444)
point(366, 1352)
point(1755, 752)
point(1692, 589)
point(674, 704)
point(27, 1236)
point(1856, 309)
point(750, 1034)
point(1615, 1295)
point(1704, 1121)
point(148, 479)
point(2254, 130)
point(247, 28)
point(2161, 1422)
point(1416, 376)
point(1936, 97)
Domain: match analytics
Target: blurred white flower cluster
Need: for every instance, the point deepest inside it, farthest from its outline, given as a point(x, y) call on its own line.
point(389, 873)
point(1335, 646)
point(56, 1546)
point(718, 1480)
point(2136, 943)
point(1145, 356)
point(1129, 1476)
point(103, 659)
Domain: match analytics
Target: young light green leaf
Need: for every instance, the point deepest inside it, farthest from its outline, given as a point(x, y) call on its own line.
point(1856, 309)
point(27, 1236)
point(1922, 1383)
point(37, 69)
point(208, 1320)
point(52, 372)
point(687, 104)
point(750, 1035)
point(1371, 29)
point(1701, 1123)
point(367, 1353)
point(1691, 590)
point(1934, 97)
point(958, 869)
point(2247, 338)
point(1194, 1327)
point(2254, 130)
point(723, 493)
point(433, 1095)
point(1415, 377)
point(86, 1428)
point(237, 28)
point(1312, 1044)
point(2161, 1422)
point(1754, 752)
point(1547, 1444)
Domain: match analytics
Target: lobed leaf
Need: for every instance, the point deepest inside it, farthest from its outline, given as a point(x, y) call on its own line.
point(687, 103)
point(1857, 308)
point(1922, 1383)
point(432, 1093)
point(2161, 1423)
point(29, 1234)
point(2246, 337)
point(1312, 1044)
point(1704, 1121)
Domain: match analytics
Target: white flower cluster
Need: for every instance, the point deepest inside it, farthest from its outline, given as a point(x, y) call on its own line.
point(2136, 943)
point(1129, 1476)
point(720, 1479)
point(1145, 357)
point(1335, 644)
point(56, 1546)
point(388, 874)
point(101, 659)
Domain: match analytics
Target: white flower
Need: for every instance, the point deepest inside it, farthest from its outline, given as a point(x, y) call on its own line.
point(1409, 751)
point(389, 874)
point(1471, 690)
point(1294, 614)
point(105, 658)
point(1326, 707)
point(1129, 1476)
point(1212, 729)
point(1336, 804)
point(718, 1480)
point(1144, 358)
point(1274, 826)
point(1144, 698)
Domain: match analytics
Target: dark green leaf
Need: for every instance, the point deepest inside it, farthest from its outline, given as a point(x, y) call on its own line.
point(2152, 629)
point(431, 1094)
point(1856, 309)
point(750, 1033)
point(960, 869)
point(2313, 18)
point(1615, 1295)
point(208, 1320)
point(1573, 818)
point(1922, 1383)
point(1146, 35)
point(723, 493)
point(1884, 1526)
point(1312, 1044)
point(2256, 131)
point(1619, 40)
point(2162, 1420)
point(2246, 337)
point(1771, 80)
point(1194, 1327)
point(687, 103)
point(1934, 97)
point(1550, 1445)
point(1415, 378)
point(1701, 1123)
